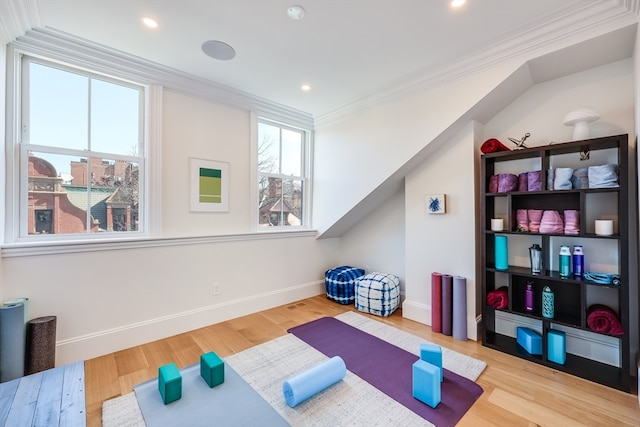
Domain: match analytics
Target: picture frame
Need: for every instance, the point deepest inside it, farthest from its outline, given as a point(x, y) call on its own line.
point(209, 185)
point(436, 204)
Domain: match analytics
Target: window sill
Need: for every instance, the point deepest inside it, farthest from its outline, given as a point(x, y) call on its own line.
point(48, 248)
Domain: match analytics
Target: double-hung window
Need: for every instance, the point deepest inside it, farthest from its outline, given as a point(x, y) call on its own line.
point(80, 153)
point(283, 175)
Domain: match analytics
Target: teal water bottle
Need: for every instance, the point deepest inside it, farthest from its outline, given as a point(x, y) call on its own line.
point(548, 303)
point(565, 262)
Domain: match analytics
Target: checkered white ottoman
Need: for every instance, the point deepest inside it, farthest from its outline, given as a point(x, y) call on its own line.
point(340, 283)
point(378, 293)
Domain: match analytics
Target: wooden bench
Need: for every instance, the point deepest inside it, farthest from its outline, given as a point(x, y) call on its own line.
point(54, 397)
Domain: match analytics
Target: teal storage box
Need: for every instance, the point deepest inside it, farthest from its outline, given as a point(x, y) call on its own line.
point(556, 346)
point(529, 339)
point(212, 369)
point(426, 383)
point(432, 353)
point(169, 383)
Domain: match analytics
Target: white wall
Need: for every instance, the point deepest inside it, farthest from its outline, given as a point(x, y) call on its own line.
point(444, 243)
point(109, 300)
point(377, 243)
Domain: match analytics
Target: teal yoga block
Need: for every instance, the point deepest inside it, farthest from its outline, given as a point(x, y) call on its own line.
point(556, 346)
point(212, 369)
point(426, 383)
point(529, 339)
point(169, 383)
point(432, 353)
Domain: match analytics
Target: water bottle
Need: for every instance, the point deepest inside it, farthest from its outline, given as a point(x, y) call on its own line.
point(578, 261)
point(548, 306)
point(528, 298)
point(565, 262)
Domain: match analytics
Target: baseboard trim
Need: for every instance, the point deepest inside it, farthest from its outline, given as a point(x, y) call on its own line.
point(116, 339)
point(421, 313)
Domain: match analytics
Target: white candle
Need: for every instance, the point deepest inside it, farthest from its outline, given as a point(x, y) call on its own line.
point(604, 227)
point(497, 224)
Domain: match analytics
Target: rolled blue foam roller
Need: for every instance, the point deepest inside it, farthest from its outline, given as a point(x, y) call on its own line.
point(306, 384)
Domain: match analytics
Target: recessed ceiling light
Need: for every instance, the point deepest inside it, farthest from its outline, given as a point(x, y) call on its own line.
point(457, 3)
point(218, 50)
point(305, 88)
point(150, 22)
point(295, 12)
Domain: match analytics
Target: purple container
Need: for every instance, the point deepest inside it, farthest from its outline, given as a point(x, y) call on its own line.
point(528, 298)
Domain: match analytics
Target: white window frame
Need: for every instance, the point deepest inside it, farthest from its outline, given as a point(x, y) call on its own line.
point(306, 176)
point(16, 160)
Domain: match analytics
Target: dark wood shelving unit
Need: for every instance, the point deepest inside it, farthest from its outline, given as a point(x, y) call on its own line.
point(574, 294)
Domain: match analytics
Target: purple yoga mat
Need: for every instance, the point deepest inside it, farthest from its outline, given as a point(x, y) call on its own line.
point(388, 368)
point(460, 308)
point(447, 304)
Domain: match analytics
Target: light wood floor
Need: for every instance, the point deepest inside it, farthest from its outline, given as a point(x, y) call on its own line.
point(516, 392)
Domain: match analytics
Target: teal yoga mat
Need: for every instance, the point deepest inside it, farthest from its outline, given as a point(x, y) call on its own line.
point(233, 403)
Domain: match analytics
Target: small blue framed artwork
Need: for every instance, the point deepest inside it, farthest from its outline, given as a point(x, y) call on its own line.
point(435, 204)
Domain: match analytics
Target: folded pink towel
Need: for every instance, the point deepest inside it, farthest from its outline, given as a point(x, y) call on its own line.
point(551, 223)
point(535, 216)
point(522, 221)
point(571, 222)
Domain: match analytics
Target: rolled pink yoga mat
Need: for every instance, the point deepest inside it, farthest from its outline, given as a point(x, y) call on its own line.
point(436, 302)
point(447, 304)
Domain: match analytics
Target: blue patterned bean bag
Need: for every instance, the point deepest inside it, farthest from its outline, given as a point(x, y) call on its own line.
point(340, 283)
point(378, 293)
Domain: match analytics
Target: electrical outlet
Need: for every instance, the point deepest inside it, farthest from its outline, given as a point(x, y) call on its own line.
point(216, 288)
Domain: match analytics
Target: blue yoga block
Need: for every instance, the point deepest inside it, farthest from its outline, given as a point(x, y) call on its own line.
point(432, 353)
point(212, 369)
point(169, 383)
point(556, 346)
point(529, 339)
point(426, 383)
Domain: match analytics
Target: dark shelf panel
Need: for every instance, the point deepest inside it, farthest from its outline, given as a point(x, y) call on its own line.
point(591, 370)
point(580, 235)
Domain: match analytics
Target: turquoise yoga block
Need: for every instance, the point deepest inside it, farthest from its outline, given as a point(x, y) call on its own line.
point(426, 383)
point(212, 369)
point(169, 383)
point(432, 353)
point(556, 346)
point(501, 253)
point(529, 339)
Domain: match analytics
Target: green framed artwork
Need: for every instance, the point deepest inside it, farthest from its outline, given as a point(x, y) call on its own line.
point(209, 185)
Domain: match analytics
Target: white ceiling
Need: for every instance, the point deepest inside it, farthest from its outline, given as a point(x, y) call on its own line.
point(347, 50)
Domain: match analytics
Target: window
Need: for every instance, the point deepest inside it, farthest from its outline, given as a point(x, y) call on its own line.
point(283, 183)
point(81, 152)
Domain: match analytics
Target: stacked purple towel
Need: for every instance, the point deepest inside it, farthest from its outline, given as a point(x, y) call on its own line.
point(534, 181)
point(522, 221)
point(523, 181)
point(507, 182)
point(493, 184)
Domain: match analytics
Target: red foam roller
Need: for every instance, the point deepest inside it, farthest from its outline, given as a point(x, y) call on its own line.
point(436, 302)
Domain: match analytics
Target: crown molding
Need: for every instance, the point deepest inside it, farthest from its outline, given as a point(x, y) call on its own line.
point(17, 17)
point(577, 22)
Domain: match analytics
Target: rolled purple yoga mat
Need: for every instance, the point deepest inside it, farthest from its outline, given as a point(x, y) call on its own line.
point(436, 302)
point(460, 308)
point(447, 304)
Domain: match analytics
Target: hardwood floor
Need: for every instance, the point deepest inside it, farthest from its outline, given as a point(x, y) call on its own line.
point(516, 392)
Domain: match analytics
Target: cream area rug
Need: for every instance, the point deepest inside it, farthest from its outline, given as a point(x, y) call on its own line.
point(350, 402)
